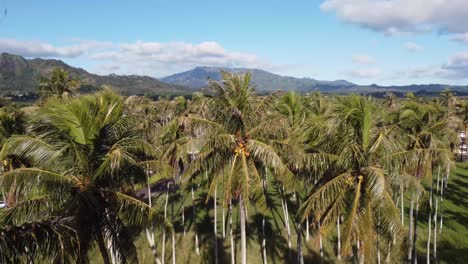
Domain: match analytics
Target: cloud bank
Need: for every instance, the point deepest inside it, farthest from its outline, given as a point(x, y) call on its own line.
point(403, 16)
point(140, 57)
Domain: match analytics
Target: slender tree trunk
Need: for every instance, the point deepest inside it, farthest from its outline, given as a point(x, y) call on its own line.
point(103, 248)
point(448, 175)
point(307, 229)
point(415, 232)
point(429, 227)
point(163, 250)
point(263, 221)
point(243, 230)
point(402, 197)
point(215, 225)
point(300, 257)
point(223, 207)
point(197, 249)
point(224, 219)
point(437, 197)
point(183, 219)
point(338, 232)
point(387, 259)
point(286, 218)
point(410, 230)
point(150, 228)
point(264, 242)
point(378, 249)
point(320, 242)
point(233, 256)
point(360, 253)
point(435, 233)
point(173, 236)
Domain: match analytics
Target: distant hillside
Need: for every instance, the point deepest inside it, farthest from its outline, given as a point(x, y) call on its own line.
point(267, 81)
point(264, 81)
point(18, 74)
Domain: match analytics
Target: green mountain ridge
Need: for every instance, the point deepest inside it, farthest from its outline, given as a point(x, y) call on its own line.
point(20, 75)
point(266, 81)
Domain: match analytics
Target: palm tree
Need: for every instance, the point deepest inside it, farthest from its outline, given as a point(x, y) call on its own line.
point(237, 140)
point(428, 135)
point(390, 100)
point(83, 157)
point(44, 240)
point(355, 185)
point(59, 84)
point(298, 153)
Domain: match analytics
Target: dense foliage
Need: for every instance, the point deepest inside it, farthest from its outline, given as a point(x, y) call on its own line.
point(89, 173)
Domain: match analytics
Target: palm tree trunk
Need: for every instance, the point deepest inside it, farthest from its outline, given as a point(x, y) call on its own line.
point(264, 242)
point(410, 230)
point(173, 236)
point(163, 250)
point(183, 218)
point(429, 227)
point(197, 249)
point(263, 221)
point(378, 249)
point(284, 204)
point(442, 188)
point(222, 213)
point(300, 257)
point(435, 232)
point(224, 219)
point(361, 259)
point(103, 248)
point(415, 232)
point(150, 228)
point(402, 197)
point(387, 259)
point(243, 231)
point(233, 256)
point(437, 197)
point(338, 231)
point(320, 243)
point(215, 225)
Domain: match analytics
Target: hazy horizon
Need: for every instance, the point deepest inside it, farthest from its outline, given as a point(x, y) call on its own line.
point(397, 43)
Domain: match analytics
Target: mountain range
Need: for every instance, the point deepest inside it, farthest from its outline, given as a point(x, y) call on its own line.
point(21, 75)
point(264, 81)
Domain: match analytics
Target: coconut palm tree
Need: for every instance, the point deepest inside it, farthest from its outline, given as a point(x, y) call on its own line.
point(82, 158)
point(355, 185)
point(300, 155)
point(237, 140)
point(59, 84)
point(429, 133)
point(43, 240)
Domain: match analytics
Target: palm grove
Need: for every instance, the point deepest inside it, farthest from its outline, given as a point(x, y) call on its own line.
point(303, 177)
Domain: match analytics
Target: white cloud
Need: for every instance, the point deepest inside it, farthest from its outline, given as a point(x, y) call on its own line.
point(140, 57)
point(362, 59)
point(413, 47)
point(29, 48)
point(159, 59)
point(365, 73)
point(403, 16)
point(456, 67)
point(462, 37)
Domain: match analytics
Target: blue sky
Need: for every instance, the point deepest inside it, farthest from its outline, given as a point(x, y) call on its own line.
point(364, 41)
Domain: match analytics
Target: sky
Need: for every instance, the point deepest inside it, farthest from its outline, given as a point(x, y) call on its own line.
point(388, 42)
